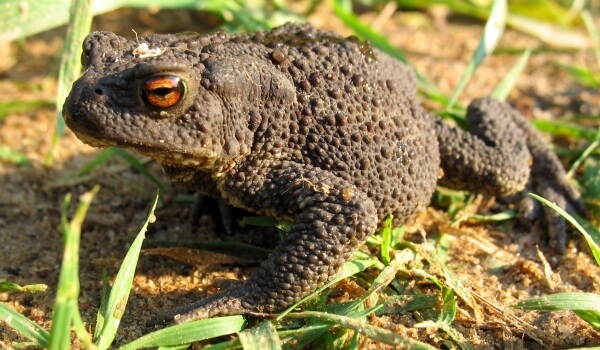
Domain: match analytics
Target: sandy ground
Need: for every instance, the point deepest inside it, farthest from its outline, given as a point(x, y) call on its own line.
point(499, 263)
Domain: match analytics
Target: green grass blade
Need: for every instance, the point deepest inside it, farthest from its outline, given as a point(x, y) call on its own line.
point(226, 345)
point(8, 155)
point(105, 155)
point(594, 35)
point(6, 286)
point(81, 330)
point(103, 305)
point(180, 347)
point(468, 8)
point(20, 19)
point(302, 337)
point(508, 82)
point(343, 10)
point(595, 248)
point(382, 280)
point(267, 221)
point(561, 128)
point(248, 15)
point(189, 332)
point(442, 247)
point(24, 326)
point(585, 154)
point(41, 15)
point(588, 226)
point(448, 313)
point(119, 294)
point(449, 280)
point(492, 33)
point(22, 106)
point(581, 75)
point(262, 337)
point(507, 214)
point(102, 157)
point(65, 305)
point(586, 305)
point(405, 303)
point(590, 316)
point(80, 22)
point(354, 343)
point(386, 239)
point(135, 163)
point(376, 333)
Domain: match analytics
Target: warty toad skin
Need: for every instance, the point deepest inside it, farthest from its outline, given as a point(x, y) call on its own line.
point(301, 124)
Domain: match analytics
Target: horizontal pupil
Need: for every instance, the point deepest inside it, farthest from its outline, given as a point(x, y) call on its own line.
point(162, 91)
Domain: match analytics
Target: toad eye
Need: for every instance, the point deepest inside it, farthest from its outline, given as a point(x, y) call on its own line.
point(163, 91)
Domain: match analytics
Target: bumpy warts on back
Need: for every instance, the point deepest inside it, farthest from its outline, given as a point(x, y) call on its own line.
point(301, 124)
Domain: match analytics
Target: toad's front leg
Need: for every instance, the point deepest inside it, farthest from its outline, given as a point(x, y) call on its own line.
point(331, 219)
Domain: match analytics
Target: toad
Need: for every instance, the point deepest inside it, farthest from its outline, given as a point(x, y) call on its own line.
point(301, 124)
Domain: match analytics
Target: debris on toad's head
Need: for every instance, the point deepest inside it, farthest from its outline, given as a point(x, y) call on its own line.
point(144, 51)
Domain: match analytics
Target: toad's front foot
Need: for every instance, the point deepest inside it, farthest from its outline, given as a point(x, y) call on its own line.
point(236, 300)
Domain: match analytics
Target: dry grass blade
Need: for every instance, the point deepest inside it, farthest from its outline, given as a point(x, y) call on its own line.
point(549, 33)
point(534, 333)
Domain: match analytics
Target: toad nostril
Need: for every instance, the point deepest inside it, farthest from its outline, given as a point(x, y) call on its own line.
point(99, 91)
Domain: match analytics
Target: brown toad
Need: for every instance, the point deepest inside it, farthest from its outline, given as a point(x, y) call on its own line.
point(300, 124)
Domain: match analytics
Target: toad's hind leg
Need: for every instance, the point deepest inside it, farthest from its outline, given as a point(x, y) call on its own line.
point(503, 154)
